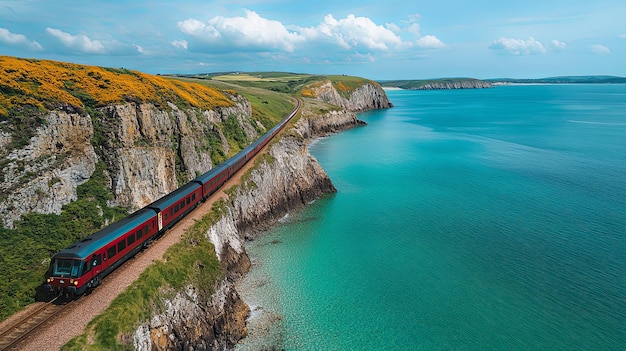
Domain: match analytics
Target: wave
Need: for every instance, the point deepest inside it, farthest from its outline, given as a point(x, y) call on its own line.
point(614, 124)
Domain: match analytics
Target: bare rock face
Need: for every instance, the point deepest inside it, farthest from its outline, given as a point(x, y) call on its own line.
point(146, 150)
point(190, 321)
point(311, 126)
point(465, 84)
point(287, 180)
point(43, 175)
point(369, 96)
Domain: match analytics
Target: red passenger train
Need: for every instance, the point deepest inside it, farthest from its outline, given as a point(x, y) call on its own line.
point(84, 264)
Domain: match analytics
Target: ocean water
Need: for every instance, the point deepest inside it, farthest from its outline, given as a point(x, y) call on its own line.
point(464, 220)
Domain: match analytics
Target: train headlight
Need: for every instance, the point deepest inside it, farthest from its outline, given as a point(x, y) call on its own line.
point(71, 281)
point(51, 279)
point(75, 282)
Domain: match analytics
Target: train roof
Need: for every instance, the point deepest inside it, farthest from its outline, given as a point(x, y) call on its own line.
point(104, 236)
point(210, 174)
point(175, 196)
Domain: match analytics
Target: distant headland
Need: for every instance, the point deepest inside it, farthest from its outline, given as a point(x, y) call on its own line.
point(472, 83)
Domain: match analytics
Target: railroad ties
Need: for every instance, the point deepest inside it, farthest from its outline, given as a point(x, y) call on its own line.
point(28, 324)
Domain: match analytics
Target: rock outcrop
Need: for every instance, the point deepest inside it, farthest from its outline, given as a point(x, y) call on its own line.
point(145, 149)
point(192, 321)
point(463, 84)
point(369, 96)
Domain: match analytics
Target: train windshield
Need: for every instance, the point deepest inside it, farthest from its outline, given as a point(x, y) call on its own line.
point(66, 267)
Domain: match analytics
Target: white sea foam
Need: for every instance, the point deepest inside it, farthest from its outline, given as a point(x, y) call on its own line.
point(613, 124)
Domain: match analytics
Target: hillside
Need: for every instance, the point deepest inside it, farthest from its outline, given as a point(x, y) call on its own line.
point(304, 85)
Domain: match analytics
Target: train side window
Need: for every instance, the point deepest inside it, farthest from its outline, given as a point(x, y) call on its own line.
point(188, 200)
point(87, 267)
point(112, 251)
point(165, 217)
point(130, 239)
point(146, 230)
point(121, 245)
point(176, 208)
point(193, 197)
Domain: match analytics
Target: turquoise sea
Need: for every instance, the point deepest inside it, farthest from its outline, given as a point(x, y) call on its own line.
point(464, 220)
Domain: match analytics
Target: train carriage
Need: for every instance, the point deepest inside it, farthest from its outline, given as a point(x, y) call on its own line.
point(212, 180)
point(175, 205)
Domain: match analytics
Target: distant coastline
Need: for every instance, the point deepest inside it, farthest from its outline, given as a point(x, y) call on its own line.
point(436, 84)
point(561, 80)
point(472, 83)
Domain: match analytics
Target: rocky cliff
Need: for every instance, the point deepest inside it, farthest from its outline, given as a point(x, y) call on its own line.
point(367, 96)
point(465, 84)
point(437, 84)
point(146, 149)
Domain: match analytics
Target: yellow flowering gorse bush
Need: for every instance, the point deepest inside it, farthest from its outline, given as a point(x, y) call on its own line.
point(47, 84)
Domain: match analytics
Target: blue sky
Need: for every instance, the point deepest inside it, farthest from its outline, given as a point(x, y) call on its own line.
point(389, 39)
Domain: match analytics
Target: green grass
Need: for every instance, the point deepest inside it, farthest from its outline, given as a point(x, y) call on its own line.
point(191, 261)
point(268, 106)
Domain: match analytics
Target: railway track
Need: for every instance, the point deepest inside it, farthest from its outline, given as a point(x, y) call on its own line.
point(11, 337)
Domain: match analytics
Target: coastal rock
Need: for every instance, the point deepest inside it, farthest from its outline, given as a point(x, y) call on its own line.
point(312, 125)
point(369, 96)
point(464, 84)
point(192, 321)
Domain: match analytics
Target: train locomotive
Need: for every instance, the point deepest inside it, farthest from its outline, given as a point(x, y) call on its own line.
point(83, 265)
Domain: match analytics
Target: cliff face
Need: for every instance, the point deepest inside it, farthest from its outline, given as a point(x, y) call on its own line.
point(465, 84)
point(369, 96)
point(193, 322)
point(139, 143)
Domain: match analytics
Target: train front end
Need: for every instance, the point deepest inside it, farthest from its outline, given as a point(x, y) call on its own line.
point(64, 276)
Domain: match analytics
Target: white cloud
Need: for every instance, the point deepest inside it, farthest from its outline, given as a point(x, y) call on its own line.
point(430, 42)
point(600, 49)
point(622, 36)
point(79, 43)
point(139, 49)
point(252, 32)
point(558, 45)
point(355, 32)
point(8, 38)
point(518, 47)
point(180, 44)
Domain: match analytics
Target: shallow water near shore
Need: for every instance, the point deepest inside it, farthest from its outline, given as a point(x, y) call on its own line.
point(464, 220)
